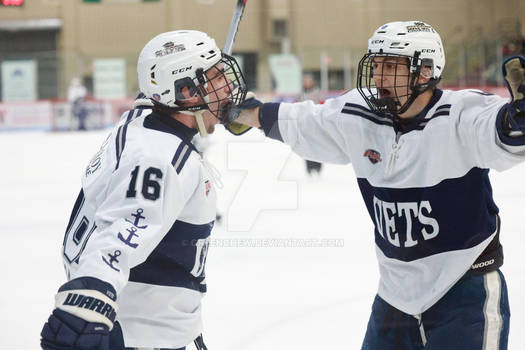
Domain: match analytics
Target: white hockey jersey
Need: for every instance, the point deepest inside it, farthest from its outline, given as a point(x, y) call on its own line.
point(425, 185)
point(142, 223)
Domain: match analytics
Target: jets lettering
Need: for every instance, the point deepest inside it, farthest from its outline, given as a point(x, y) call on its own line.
point(386, 214)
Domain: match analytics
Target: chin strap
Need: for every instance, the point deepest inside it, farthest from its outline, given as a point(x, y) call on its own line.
point(199, 120)
point(200, 123)
point(198, 114)
point(194, 110)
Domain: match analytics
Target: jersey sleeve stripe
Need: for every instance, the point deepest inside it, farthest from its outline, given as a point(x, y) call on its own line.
point(183, 160)
point(133, 114)
point(120, 140)
point(176, 158)
point(130, 115)
point(440, 113)
point(360, 111)
point(445, 106)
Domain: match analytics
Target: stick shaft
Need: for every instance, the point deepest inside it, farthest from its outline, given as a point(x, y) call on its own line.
point(234, 26)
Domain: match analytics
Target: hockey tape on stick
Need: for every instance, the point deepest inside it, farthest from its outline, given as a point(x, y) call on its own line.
point(234, 26)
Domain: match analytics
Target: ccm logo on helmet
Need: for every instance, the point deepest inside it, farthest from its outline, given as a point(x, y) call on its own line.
point(374, 42)
point(428, 50)
point(182, 70)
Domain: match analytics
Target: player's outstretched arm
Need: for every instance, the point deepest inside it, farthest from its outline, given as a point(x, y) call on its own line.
point(303, 126)
point(514, 112)
point(84, 313)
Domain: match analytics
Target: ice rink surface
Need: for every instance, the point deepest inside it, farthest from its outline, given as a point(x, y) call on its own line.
point(291, 266)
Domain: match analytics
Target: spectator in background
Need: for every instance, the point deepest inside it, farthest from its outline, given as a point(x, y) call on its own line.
point(311, 92)
point(76, 95)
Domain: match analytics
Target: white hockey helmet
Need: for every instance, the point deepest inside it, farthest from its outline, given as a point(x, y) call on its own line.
point(417, 41)
point(172, 68)
point(411, 39)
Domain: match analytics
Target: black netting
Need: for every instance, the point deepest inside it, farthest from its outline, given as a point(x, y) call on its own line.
point(225, 84)
point(386, 84)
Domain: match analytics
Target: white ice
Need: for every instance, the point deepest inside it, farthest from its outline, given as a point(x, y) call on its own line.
point(258, 297)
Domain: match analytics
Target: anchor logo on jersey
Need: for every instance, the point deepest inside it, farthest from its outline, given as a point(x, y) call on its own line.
point(373, 156)
point(112, 259)
point(127, 240)
point(138, 216)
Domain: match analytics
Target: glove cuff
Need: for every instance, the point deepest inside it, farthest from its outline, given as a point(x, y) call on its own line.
point(94, 301)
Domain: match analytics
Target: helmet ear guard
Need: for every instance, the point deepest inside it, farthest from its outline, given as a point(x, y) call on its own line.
point(427, 68)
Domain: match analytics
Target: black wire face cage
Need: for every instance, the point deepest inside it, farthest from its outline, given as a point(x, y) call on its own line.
point(391, 92)
point(219, 86)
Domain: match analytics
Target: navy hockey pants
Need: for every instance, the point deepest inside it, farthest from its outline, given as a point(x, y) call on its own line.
point(473, 315)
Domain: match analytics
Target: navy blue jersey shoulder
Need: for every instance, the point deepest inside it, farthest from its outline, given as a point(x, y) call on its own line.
point(178, 260)
point(413, 223)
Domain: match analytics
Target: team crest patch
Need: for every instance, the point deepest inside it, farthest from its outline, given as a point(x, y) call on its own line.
point(207, 187)
point(373, 156)
point(169, 48)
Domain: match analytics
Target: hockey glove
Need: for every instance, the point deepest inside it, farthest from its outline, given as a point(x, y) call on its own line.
point(514, 74)
point(232, 112)
point(83, 318)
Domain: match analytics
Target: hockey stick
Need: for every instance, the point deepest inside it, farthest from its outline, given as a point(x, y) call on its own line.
point(228, 46)
point(234, 26)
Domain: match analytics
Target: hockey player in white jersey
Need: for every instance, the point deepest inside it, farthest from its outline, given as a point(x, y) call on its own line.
point(422, 157)
point(136, 243)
